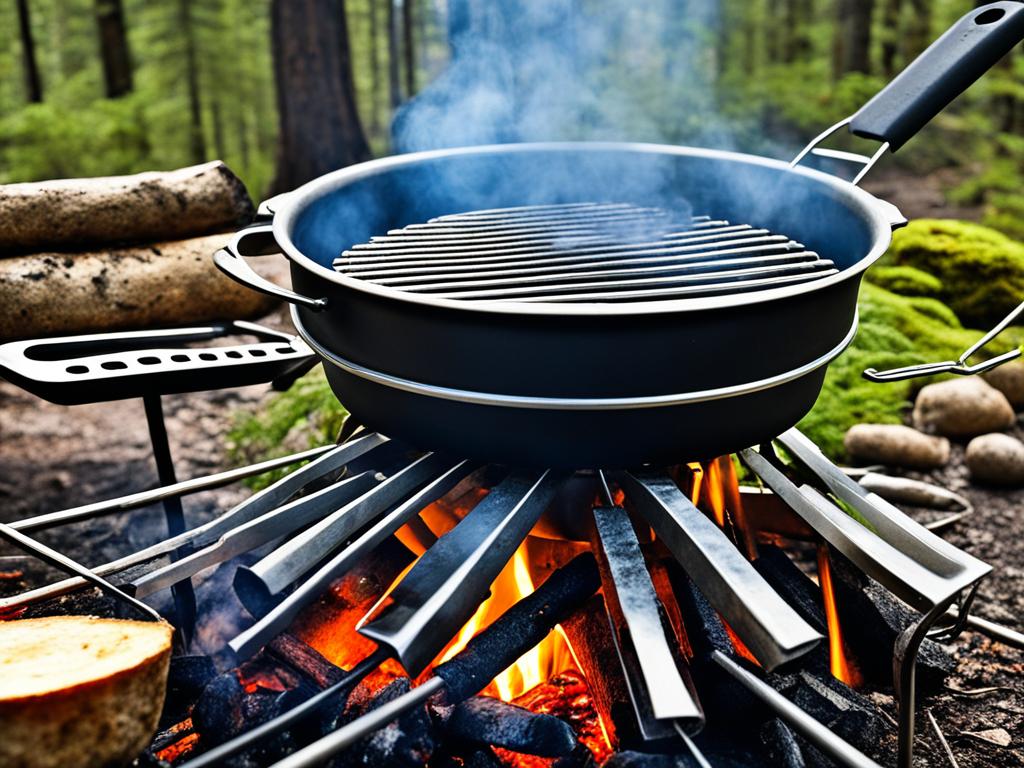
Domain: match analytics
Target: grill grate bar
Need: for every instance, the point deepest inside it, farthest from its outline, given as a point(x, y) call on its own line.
point(705, 269)
point(418, 252)
point(749, 253)
point(580, 252)
point(562, 240)
point(677, 292)
point(649, 216)
point(716, 278)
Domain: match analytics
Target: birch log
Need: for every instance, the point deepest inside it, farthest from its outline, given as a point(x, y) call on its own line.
point(162, 284)
point(70, 214)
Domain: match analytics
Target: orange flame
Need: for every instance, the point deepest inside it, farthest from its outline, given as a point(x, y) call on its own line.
point(551, 656)
point(841, 667)
point(696, 478)
point(714, 491)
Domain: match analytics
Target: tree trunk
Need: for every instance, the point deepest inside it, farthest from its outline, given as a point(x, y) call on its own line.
point(409, 47)
point(197, 142)
point(117, 63)
point(394, 75)
point(319, 128)
point(918, 35)
point(852, 41)
point(33, 85)
point(890, 36)
point(375, 78)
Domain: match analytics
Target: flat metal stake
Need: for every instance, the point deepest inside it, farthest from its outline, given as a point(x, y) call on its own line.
point(183, 592)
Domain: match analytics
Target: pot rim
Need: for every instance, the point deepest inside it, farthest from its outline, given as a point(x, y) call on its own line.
point(882, 217)
point(534, 402)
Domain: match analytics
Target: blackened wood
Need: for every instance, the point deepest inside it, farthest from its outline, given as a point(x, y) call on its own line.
point(486, 720)
point(590, 634)
point(631, 759)
point(872, 619)
point(796, 587)
point(781, 746)
point(407, 742)
point(519, 629)
point(33, 84)
point(186, 679)
point(847, 713)
point(114, 53)
point(304, 659)
point(319, 127)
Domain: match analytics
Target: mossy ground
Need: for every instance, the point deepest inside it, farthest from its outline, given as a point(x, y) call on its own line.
point(967, 265)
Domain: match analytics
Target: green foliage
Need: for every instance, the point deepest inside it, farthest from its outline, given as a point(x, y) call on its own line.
point(906, 281)
point(306, 415)
point(981, 270)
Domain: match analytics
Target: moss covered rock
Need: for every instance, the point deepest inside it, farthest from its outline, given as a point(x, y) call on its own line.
point(980, 271)
point(906, 281)
point(894, 331)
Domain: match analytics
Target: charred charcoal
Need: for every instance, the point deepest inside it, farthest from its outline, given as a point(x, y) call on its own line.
point(847, 713)
point(218, 713)
point(299, 656)
point(520, 628)
point(793, 584)
point(630, 759)
point(781, 746)
point(802, 594)
point(873, 619)
point(485, 720)
point(405, 742)
point(186, 679)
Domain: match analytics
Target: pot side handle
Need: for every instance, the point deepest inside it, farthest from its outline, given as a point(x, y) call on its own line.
point(947, 67)
point(258, 240)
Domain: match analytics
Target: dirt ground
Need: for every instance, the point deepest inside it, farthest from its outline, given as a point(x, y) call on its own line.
point(54, 457)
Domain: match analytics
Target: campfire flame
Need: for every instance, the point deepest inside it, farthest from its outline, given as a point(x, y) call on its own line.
point(842, 667)
point(551, 656)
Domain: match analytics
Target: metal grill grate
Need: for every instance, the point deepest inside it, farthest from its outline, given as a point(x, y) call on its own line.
point(580, 252)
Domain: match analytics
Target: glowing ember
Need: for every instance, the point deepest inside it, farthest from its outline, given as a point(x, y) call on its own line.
point(181, 748)
point(566, 695)
point(842, 667)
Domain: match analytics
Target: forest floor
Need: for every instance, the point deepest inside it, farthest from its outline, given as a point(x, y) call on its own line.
point(54, 457)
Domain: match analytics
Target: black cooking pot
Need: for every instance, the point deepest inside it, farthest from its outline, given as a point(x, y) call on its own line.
point(599, 383)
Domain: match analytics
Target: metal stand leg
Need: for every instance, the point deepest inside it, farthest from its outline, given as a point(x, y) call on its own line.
point(905, 668)
point(184, 595)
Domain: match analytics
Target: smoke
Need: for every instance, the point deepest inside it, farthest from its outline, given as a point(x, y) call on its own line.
point(553, 70)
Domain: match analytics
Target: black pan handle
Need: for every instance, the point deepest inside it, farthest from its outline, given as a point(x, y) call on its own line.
point(254, 241)
point(946, 68)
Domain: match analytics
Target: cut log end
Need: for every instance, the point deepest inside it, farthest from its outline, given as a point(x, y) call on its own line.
point(79, 690)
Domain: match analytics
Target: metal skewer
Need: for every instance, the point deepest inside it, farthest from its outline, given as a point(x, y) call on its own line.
point(145, 498)
point(662, 693)
point(66, 564)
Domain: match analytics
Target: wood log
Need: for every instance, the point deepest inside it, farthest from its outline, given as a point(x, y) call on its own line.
point(80, 691)
point(484, 720)
point(67, 214)
point(172, 283)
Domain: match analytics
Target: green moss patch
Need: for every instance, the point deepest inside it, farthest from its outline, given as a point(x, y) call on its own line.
point(981, 271)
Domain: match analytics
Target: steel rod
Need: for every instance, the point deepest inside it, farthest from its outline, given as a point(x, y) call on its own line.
point(63, 562)
point(220, 753)
point(324, 748)
point(821, 737)
point(145, 498)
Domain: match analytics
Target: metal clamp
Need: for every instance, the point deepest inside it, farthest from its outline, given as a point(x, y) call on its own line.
point(866, 163)
point(960, 366)
point(231, 261)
